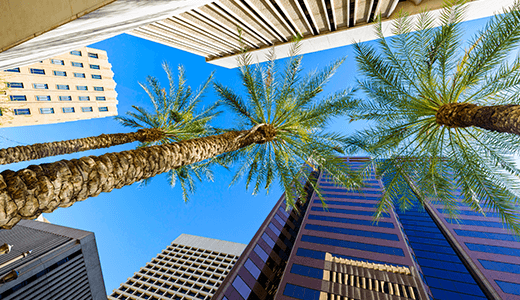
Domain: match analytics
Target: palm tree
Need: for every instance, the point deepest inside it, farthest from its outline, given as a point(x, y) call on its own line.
point(430, 126)
point(175, 117)
point(284, 124)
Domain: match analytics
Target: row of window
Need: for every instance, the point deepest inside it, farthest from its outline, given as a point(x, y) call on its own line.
point(63, 73)
point(303, 252)
point(355, 232)
point(89, 54)
point(353, 245)
point(61, 98)
point(487, 235)
point(300, 292)
point(347, 211)
point(27, 111)
point(351, 221)
point(346, 203)
point(373, 195)
point(44, 86)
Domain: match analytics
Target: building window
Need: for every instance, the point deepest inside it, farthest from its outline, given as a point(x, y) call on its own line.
point(509, 287)
point(101, 98)
point(307, 271)
point(43, 98)
point(60, 73)
point(22, 111)
point(65, 98)
point(18, 85)
point(79, 75)
point(62, 87)
point(252, 268)
point(95, 67)
point(261, 253)
point(94, 76)
point(67, 110)
point(57, 62)
point(99, 88)
point(274, 229)
point(500, 266)
point(75, 52)
point(40, 86)
point(493, 249)
point(241, 287)
point(93, 55)
point(355, 232)
point(300, 292)
point(38, 71)
point(81, 87)
point(87, 109)
point(46, 111)
point(103, 108)
point(84, 98)
point(351, 221)
point(353, 245)
point(18, 98)
point(77, 64)
point(17, 70)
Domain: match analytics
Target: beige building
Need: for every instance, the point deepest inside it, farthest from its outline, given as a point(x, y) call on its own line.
point(74, 86)
point(191, 268)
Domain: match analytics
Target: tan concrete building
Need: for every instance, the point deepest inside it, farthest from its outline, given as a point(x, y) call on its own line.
point(191, 268)
point(73, 86)
point(212, 30)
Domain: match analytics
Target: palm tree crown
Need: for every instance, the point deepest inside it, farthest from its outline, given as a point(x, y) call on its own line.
point(175, 115)
point(285, 106)
point(428, 120)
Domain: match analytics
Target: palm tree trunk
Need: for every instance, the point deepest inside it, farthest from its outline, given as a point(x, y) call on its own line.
point(43, 188)
point(500, 118)
point(37, 151)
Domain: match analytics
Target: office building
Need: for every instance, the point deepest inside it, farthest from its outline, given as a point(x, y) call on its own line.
point(340, 253)
point(47, 261)
point(192, 267)
point(39, 30)
point(74, 86)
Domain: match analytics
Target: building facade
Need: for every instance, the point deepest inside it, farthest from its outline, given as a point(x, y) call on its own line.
point(74, 86)
point(192, 267)
point(340, 253)
point(48, 261)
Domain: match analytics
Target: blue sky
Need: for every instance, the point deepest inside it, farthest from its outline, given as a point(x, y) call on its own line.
point(135, 223)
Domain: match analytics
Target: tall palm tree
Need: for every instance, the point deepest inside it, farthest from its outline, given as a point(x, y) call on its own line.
point(430, 125)
point(284, 124)
point(174, 115)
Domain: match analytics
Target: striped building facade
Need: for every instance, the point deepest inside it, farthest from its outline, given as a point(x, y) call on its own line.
point(339, 253)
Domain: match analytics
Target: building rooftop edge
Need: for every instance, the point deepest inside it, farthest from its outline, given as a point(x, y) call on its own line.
point(210, 244)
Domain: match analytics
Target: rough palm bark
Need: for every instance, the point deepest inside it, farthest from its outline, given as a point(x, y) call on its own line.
point(37, 151)
point(500, 118)
point(43, 188)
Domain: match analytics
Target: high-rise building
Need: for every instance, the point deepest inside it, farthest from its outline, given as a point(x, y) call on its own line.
point(338, 252)
point(192, 267)
point(47, 261)
point(74, 86)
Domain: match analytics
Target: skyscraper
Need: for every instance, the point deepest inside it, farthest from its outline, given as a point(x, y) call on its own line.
point(340, 253)
point(48, 261)
point(192, 267)
point(73, 86)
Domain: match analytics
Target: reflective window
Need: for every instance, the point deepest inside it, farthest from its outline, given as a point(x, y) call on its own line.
point(353, 245)
point(17, 70)
point(75, 52)
point(95, 67)
point(18, 85)
point(486, 235)
point(252, 268)
point(65, 98)
point(346, 211)
point(101, 98)
point(62, 87)
point(277, 217)
point(38, 71)
point(76, 64)
point(241, 287)
point(59, 73)
point(18, 98)
point(274, 229)
point(471, 213)
point(475, 223)
point(48, 110)
point(103, 108)
point(268, 240)
point(43, 98)
point(67, 110)
point(92, 55)
point(87, 109)
point(346, 203)
point(84, 98)
point(79, 75)
point(493, 249)
point(99, 88)
point(509, 287)
point(57, 62)
point(371, 234)
point(500, 266)
point(81, 87)
point(22, 111)
point(300, 292)
point(307, 271)
point(261, 253)
point(94, 76)
point(351, 221)
point(40, 86)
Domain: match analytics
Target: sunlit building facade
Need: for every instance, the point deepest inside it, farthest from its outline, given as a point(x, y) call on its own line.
point(192, 267)
point(74, 86)
point(340, 253)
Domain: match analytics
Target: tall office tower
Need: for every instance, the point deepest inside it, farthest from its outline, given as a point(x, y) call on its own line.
point(74, 86)
point(49, 261)
point(192, 267)
point(340, 253)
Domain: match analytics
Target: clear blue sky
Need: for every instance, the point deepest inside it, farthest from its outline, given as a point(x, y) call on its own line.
point(133, 224)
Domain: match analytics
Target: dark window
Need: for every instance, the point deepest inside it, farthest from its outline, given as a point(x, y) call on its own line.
point(43, 98)
point(76, 64)
point(59, 73)
point(81, 87)
point(45, 111)
point(22, 111)
point(62, 87)
point(500, 266)
point(65, 98)
point(18, 98)
point(509, 287)
point(17, 70)
point(94, 76)
point(79, 75)
point(300, 292)
point(67, 109)
point(486, 235)
point(92, 55)
point(18, 85)
point(103, 108)
point(307, 271)
point(101, 98)
point(371, 234)
point(84, 98)
point(75, 52)
point(353, 245)
point(38, 71)
point(493, 249)
point(99, 88)
point(95, 67)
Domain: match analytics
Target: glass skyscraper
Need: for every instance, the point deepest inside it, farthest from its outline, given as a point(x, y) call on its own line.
point(338, 252)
